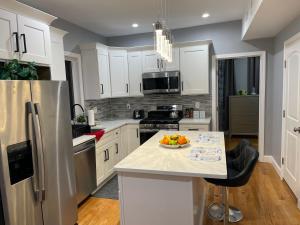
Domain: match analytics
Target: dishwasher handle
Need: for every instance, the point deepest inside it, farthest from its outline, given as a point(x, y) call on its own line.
point(91, 148)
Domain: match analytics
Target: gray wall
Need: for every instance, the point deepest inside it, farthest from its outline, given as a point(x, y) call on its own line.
point(276, 84)
point(76, 35)
point(226, 38)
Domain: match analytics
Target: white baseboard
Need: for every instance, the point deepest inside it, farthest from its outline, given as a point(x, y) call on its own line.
point(270, 159)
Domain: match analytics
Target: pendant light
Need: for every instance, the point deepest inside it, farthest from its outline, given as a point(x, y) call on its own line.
point(162, 35)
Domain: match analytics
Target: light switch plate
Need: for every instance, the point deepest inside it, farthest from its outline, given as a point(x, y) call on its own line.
point(95, 109)
point(197, 105)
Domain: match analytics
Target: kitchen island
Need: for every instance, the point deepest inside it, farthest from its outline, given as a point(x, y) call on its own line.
point(161, 186)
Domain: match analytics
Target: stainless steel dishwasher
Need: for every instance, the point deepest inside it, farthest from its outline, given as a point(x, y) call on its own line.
point(85, 167)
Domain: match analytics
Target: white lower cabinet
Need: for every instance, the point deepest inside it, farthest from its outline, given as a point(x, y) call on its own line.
point(194, 127)
point(113, 147)
point(100, 162)
point(133, 137)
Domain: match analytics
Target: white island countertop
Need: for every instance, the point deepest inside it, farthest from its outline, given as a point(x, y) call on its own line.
point(151, 158)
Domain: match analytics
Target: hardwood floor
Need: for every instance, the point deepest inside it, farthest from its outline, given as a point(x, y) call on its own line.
point(265, 200)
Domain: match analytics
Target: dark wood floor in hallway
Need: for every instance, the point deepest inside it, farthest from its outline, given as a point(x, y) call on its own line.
point(265, 200)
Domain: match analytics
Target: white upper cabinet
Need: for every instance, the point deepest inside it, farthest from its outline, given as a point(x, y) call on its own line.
point(8, 35)
point(104, 74)
point(95, 71)
point(58, 69)
point(119, 73)
point(151, 61)
point(175, 64)
point(23, 38)
point(194, 67)
point(135, 70)
point(34, 41)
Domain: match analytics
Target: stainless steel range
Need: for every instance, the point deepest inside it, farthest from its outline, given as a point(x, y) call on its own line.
point(164, 118)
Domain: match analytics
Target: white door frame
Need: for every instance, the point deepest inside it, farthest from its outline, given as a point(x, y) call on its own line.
point(286, 43)
point(76, 62)
point(262, 93)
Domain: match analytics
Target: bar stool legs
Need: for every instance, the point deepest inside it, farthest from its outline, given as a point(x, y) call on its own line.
point(219, 211)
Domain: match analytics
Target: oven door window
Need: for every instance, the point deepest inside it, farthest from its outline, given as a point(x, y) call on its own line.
point(151, 84)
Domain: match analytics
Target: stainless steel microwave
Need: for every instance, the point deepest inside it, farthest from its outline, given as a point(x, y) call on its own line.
point(161, 82)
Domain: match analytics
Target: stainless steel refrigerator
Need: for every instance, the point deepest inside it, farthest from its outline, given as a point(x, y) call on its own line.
point(37, 178)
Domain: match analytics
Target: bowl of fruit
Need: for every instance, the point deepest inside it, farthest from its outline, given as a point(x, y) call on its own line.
point(174, 141)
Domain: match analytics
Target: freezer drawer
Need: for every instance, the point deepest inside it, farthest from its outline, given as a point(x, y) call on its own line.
point(85, 167)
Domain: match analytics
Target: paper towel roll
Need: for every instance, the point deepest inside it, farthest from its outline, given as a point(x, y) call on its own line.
point(91, 117)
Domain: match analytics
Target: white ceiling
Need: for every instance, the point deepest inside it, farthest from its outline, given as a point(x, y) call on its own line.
point(114, 17)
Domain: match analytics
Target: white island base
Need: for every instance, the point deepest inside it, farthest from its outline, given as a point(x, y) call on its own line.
point(150, 199)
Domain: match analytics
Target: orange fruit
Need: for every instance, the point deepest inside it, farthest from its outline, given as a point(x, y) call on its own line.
point(182, 140)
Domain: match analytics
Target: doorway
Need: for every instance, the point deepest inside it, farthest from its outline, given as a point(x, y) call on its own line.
point(244, 90)
point(238, 100)
point(74, 76)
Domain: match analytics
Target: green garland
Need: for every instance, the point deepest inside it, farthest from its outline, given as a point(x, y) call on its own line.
point(13, 70)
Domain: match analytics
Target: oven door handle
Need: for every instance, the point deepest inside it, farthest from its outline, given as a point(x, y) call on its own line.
point(145, 131)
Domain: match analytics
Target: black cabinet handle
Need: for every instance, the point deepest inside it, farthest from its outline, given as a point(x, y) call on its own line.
point(24, 42)
point(137, 132)
point(141, 87)
point(127, 88)
point(17, 41)
point(102, 89)
point(157, 63)
point(105, 155)
point(117, 146)
point(182, 85)
point(162, 64)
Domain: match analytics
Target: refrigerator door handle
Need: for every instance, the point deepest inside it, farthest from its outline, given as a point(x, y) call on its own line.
point(31, 114)
point(40, 190)
point(40, 148)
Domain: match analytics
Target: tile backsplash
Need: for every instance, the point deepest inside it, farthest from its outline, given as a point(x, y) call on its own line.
point(117, 107)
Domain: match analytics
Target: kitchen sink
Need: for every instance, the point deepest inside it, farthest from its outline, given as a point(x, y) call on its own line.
point(80, 129)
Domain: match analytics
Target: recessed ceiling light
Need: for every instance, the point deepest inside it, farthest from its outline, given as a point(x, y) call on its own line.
point(205, 15)
point(135, 25)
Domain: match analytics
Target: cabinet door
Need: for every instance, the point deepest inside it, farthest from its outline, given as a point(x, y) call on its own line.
point(58, 69)
point(119, 73)
point(34, 41)
point(117, 152)
point(124, 141)
point(151, 62)
point(194, 66)
point(174, 65)
point(104, 75)
point(133, 137)
point(8, 35)
point(100, 162)
point(109, 162)
point(135, 69)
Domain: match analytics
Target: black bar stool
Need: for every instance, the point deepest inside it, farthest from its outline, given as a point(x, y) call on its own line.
point(239, 171)
point(235, 152)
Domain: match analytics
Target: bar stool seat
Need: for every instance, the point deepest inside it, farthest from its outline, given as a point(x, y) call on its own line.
point(239, 171)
